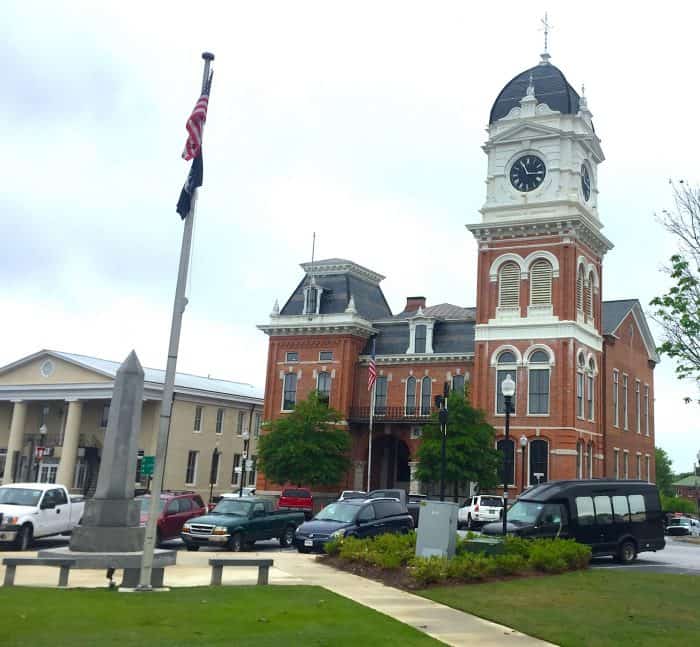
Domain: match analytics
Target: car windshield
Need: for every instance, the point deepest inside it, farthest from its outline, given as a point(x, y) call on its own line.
point(340, 512)
point(679, 522)
point(493, 501)
point(146, 506)
point(19, 496)
point(231, 506)
point(525, 512)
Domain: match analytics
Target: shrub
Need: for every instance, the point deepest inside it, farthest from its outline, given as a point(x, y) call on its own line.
point(517, 546)
point(510, 564)
point(428, 570)
point(558, 555)
point(332, 547)
point(470, 567)
point(386, 551)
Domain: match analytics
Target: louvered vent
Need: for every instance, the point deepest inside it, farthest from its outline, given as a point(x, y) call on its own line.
point(588, 296)
point(579, 289)
point(541, 283)
point(509, 286)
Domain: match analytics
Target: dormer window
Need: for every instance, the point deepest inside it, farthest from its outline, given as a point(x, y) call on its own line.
point(420, 329)
point(312, 298)
point(421, 333)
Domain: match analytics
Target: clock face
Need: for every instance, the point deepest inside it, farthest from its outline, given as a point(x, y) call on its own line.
point(585, 182)
point(527, 173)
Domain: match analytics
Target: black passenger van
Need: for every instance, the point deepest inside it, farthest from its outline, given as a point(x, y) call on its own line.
point(619, 518)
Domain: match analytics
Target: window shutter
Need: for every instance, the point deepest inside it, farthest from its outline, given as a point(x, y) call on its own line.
point(541, 283)
point(588, 294)
point(579, 289)
point(509, 285)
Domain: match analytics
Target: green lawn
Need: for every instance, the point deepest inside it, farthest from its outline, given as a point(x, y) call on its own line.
point(260, 616)
point(596, 608)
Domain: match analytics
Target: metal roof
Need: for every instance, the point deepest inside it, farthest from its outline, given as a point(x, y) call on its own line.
point(614, 312)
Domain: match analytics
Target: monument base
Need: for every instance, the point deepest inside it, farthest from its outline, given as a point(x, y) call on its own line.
point(107, 539)
point(130, 562)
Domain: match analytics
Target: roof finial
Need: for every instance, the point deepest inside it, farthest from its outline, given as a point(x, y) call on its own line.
point(582, 101)
point(546, 27)
point(276, 308)
point(531, 87)
point(351, 309)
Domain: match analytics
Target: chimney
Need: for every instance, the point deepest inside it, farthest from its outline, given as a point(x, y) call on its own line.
point(413, 303)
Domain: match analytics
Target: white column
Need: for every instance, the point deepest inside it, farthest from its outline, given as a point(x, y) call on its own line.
point(69, 450)
point(19, 415)
point(414, 486)
point(359, 475)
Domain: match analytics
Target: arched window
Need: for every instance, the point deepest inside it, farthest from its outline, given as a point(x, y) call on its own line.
point(538, 461)
point(506, 365)
point(323, 386)
point(588, 295)
point(507, 449)
point(411, 396)
point(458, 384)
point(541, 283)
point(579, 288)
point(579, 460)
point(425, 396)
point(590, 384)
point(538, 383)
point(290, 391)
point(380, 388)
point(509, 285)
point(580, 385)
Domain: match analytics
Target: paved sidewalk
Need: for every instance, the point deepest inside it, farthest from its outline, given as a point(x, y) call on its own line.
point(443, 623)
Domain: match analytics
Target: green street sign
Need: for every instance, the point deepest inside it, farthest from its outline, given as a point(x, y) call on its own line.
point(147, 465)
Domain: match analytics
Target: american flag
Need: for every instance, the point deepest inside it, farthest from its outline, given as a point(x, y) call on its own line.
point(194, 126)
point(372, 369)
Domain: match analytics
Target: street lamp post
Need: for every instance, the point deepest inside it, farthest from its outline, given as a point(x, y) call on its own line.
point(244, 459)
point(523, 446)
point(508, 390)
point(36, 440)
point(442, 417)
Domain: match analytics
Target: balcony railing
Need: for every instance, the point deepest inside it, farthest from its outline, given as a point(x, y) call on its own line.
point(393, 414)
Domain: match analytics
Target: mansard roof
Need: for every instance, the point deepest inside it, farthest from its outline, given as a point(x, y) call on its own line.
point(445, 311)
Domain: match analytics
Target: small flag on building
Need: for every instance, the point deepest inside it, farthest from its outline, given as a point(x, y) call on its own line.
point(372, 369)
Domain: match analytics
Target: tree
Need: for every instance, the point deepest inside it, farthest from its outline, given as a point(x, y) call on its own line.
point(471, 455)
point(678, 311)
point(677, 504)
point(664, 475)
point(305, 447)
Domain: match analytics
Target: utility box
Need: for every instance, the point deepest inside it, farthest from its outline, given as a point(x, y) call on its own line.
point(437, 529)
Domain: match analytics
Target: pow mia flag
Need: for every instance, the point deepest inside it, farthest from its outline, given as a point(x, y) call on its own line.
point(194, 180)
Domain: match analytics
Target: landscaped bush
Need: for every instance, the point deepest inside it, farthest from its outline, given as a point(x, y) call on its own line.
point(429, 570)
point(386, 551)
point(470, 567)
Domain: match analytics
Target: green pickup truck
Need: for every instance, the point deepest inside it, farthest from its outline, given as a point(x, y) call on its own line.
point(240, 522)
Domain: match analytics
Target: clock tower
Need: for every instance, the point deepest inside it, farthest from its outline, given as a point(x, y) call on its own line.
point(538, 315)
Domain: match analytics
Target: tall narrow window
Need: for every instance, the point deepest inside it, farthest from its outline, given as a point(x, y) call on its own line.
point(579, 394)
point(588, 296)
point(626, 464)
point(380, 388)
point(191, 470)
point(219, 421)
point(458, 384)
point(639, 466)
point(625, 417)
point(506, 365)
point(538, 383)
point(507, 448)
point(104, 418)
point(541, 283)
point(240, 423)
point(617, 464)
point(411, 396)
point(538, 461)
point(197, 419)
point(579, 288)
point(590, 461)
point(256, 424)
point(590, 385)
point(646, 409)
point(509, 285)
point(615, 398)
point(311, 301)
point(426, 394)
point(648, 463)
point(421, 334)
point(637, 406)
point(290, 391)
point(323, 386)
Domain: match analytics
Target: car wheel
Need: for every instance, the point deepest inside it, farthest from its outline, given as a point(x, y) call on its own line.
point(24, 537)
point(193, 548)
point(235, 544)
point(627, 552)
point(287, 537)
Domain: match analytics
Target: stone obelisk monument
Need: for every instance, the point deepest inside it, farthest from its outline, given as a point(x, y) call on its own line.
point(111, 521)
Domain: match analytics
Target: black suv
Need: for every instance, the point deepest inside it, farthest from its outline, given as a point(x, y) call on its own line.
point(353, 518)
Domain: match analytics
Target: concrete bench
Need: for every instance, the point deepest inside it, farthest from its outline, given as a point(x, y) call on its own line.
point(217, 567)
point(11, 564)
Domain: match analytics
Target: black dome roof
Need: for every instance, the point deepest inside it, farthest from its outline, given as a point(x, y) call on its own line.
point(551, 87)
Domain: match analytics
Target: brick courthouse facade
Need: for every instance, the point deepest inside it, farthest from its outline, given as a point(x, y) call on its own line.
point(583, 367)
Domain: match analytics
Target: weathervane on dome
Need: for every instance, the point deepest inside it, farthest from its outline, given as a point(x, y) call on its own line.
point(546, 27)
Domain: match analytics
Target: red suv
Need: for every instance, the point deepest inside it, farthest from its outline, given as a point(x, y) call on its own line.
point(175, 509)
point(297, 499)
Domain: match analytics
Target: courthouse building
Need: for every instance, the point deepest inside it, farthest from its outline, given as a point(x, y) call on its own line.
point(583, 367)
point(53, 417)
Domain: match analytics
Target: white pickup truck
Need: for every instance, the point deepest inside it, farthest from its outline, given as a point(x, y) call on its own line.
point(31, 510)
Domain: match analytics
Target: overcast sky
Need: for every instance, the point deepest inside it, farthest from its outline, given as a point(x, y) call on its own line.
point(361, 121)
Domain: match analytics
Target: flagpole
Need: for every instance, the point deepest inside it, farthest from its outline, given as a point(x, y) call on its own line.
point(371, 427)
point(179, 306)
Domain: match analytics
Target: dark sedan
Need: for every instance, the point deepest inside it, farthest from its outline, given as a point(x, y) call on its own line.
point(352, 518)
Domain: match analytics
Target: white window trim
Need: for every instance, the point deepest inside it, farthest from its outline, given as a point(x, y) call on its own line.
point(638, 405)
point(626, 464)
point(325, 360)
point(291, 361)
point(581, 400)
point(284, 377)
point(330, 383)
point(196, 466)
point(420, 320)
point(590, 387)
point(625, 407)
point(616, 398)
point(529, 462)
point(616, 456)
point(195, 429)
point(646, 409)
point(415, 396)
point(539, 367)
point(219, 429)
point(511, 368)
